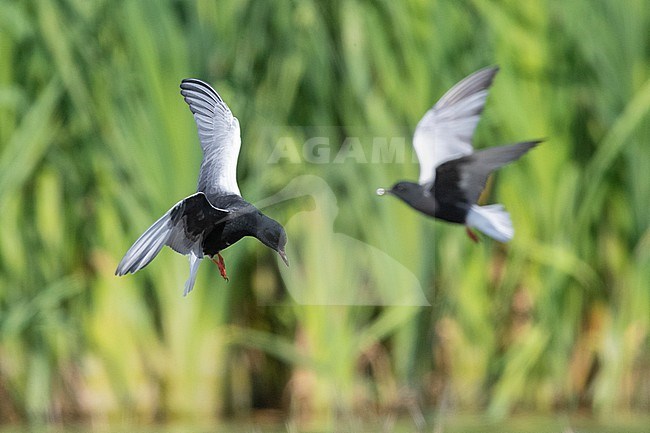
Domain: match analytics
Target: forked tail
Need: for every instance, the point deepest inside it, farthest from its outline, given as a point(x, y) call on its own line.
point(493, 220)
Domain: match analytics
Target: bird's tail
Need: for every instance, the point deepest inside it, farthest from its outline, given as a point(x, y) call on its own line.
point(194, 267)
point(146, 247)
point(493, 220)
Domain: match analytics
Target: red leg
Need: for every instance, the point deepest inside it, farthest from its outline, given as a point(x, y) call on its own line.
point(222, 266)
point(472, 235)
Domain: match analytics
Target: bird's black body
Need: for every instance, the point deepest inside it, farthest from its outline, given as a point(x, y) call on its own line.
point(243, 222)
point(451, 201)
point(222, 223)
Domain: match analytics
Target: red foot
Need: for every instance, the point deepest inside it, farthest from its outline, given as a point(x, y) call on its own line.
point(472, 235)
point(222, 266)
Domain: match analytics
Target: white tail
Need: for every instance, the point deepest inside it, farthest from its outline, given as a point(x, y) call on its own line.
point(146, 247)
point(493, 220)
point(195, 261)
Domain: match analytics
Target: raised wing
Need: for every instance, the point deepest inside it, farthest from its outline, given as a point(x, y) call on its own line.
point(445, 132)
point(219, 135)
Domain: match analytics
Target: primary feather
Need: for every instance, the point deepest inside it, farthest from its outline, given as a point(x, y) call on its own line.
point(220, 138)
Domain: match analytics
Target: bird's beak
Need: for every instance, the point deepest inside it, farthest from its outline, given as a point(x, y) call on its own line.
point(382, 191)
point(283, 255)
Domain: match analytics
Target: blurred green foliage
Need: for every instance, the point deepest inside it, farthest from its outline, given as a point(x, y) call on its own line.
point(96, 143)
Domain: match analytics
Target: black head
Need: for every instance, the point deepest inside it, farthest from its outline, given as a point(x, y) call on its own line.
point(413, 194)
point(407, 191)
point(272, 234)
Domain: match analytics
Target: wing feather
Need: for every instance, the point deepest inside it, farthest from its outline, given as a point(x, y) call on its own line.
point(463, 179)
point(445, 132)
point(172, 230)
point(220, 138)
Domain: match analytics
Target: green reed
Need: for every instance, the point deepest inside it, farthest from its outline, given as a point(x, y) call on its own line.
point(96, 143)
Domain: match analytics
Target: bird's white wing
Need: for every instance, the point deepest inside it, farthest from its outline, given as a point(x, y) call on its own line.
point(445, 132)
point(219, 135)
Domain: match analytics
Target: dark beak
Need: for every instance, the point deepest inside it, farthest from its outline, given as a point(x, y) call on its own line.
point(284, 257)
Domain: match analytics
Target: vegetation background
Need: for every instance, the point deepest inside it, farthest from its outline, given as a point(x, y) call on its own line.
point(96, 143)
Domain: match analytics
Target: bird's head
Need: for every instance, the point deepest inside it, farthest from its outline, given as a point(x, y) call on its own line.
point(272, 234)
point(410, 192)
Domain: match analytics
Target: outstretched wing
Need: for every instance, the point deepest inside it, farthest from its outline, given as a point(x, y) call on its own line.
point(219, 135)
point(182, 228)
point(463, 179)
point(445, 132)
